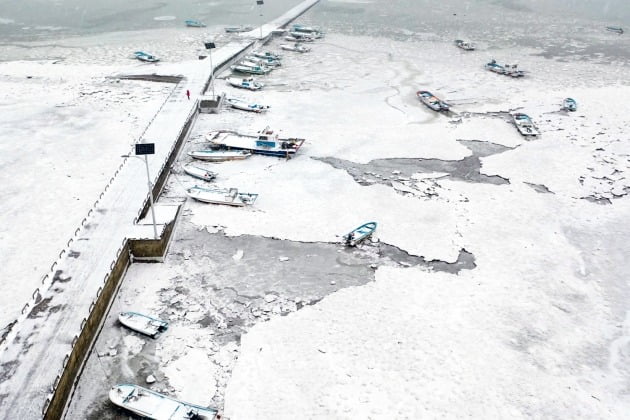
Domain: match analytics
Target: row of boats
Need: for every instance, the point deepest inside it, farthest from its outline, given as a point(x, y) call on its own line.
point(522, 122)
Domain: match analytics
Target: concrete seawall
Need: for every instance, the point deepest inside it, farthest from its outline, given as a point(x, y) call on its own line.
point(43, 354)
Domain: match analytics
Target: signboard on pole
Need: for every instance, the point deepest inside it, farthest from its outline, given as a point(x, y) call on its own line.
point(209, 45)
point(145, 148)
point(260, 2)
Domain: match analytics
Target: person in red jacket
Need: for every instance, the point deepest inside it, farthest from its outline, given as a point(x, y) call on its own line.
point(188, 94)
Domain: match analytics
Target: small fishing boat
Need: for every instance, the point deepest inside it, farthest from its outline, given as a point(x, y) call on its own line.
point(303, 36)
point(266, 54)
point(250, 68)
point(153, 405)
point(465, 45)
point(294, 38)
point(316, 32)
point(245, 106)
point(569, 104)
point(495, 67)
point(615, 29)
point(236, 29)
point(524, 124)
point(266, 142)
point(506, 69)
point(246, 83)
point(297, 47)
point(219, 155)
point(432, 101)
point(143, 324)
point(227, 196)
point(268, 62)
point(359, 234)
point(142, 56)
point(194, 23)
point(200, 173)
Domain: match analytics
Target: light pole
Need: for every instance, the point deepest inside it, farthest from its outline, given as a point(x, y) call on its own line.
point(209, 46)
point(147, 149)
point(260, 3)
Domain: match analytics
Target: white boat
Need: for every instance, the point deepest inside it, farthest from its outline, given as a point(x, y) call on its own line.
point(265, 142)
point(149, 58)
point(219, 155)
point(266, 54)
point(524, 124)
point(227, 196)
point(142, 323)
point(293, 38)
point(465, 45)
point(250, 68)
point(236, 29)
point(152, 405)
point(506, 69)
point(269, 62)
point(245, 83)
point(200, 173)
point(297, 47)
point(303, 36)
point(246, 106)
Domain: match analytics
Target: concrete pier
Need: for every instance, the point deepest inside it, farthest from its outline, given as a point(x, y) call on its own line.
point(45, 350)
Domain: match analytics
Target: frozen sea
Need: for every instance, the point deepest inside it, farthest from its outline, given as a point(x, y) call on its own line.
point(534, 324)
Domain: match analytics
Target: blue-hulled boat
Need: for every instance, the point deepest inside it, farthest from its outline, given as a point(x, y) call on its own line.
point(615, 29)
point(143, 56)
point(432, 101)
point(194, 23)
point(153, 405)
point(359, 234)
point(266, 143)
point(569, 104)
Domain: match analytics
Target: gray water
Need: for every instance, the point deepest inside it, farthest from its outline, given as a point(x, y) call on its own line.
point(22, 20)
point(49, 19)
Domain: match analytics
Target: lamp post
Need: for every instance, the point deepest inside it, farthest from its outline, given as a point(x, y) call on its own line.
point(147, 149)
point(209, 46)
point(260, 3)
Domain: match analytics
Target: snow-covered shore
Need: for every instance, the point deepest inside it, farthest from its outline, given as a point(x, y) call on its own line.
point(538, 329)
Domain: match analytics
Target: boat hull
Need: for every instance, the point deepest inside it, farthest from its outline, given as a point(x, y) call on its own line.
point(152, 405)
point(356, 236)
point(228, 197)
point(219, 155)
point(200, 173)
point(142, 323)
